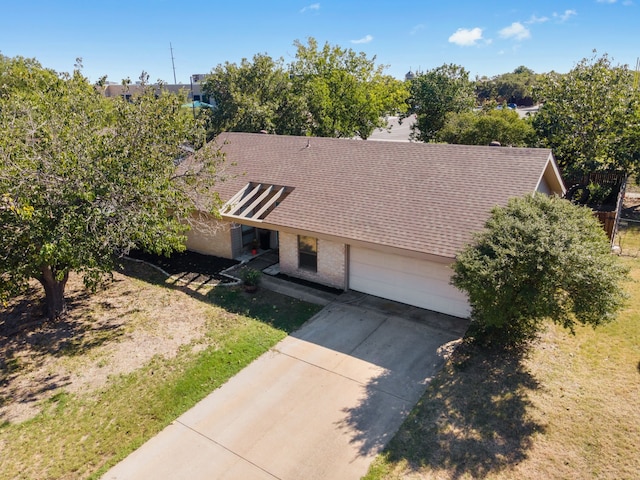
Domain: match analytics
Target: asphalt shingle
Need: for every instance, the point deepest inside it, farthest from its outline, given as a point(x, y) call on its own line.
point(427, 198)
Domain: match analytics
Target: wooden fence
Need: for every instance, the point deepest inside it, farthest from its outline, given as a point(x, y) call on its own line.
point(608, 221)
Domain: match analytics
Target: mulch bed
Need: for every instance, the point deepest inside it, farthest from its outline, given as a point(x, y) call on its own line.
point(307, 283)
point(191, 266)
point(185, 264)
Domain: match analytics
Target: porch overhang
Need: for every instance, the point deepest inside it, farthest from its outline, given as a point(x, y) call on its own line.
point(254, 202)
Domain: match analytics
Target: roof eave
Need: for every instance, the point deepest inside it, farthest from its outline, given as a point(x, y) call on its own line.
point(338, 239)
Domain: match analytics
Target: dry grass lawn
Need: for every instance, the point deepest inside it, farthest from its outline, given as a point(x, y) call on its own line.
point(113, 332)
point(78, 395)
point(570, 409)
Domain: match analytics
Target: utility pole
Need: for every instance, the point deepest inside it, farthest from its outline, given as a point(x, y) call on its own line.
point(173, 64)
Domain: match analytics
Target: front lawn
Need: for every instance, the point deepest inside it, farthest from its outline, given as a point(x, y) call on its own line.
point(91, 398)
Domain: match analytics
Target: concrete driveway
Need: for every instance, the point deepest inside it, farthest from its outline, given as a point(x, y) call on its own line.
point(320, 405)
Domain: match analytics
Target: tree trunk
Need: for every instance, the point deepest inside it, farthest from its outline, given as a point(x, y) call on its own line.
point(54, 292)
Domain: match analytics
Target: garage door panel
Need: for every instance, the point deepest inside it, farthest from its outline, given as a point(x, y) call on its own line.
point(415, 282)
point(390, 275)
point(396, 284)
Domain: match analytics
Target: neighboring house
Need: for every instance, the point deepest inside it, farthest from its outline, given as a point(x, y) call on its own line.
point(193, 89)
point(384, 218)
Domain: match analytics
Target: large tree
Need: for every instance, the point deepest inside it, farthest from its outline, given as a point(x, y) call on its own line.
point(591, 118)
point(347, 93)
point(539, 258)
point(254, 96)
point(436, 93)
point(515, 87)
point(83, 178)
point(326, 92)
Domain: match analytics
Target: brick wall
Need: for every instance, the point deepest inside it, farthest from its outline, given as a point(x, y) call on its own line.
point(331, 261)
point(210, 237)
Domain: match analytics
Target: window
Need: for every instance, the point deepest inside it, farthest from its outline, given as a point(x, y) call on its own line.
point(308, 253)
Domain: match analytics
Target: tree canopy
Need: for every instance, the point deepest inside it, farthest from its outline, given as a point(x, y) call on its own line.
point(347, 93)
point(254, 96)
point(83, 178)
point(591, 118)
point(326, 92)
point(485, 126)
point(436, 93)
point(539, 258)
point(515, 87)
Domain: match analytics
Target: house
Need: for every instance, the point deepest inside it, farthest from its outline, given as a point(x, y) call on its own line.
point(193, 89)
point(384, 218)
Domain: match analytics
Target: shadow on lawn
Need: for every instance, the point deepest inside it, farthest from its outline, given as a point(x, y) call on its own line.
point(280, 311)
point(28, 338)
point(25, 326)
point(473, 419)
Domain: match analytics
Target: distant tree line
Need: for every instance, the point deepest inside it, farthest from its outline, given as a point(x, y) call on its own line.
point(516, 87)
point(589, 116)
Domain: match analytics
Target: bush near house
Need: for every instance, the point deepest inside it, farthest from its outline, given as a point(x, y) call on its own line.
point(539, 258)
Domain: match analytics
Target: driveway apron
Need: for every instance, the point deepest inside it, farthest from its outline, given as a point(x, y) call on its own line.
point(320, 405)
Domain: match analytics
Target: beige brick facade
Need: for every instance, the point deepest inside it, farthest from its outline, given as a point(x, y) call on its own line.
point(211, 237)
point(331, 261)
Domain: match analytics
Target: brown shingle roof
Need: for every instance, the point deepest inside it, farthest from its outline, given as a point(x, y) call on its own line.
point(427, 198)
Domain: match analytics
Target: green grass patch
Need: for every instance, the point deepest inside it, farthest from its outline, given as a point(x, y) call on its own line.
point(569, 408)
point(628, 238)
point(277, 310)
point(81, 436)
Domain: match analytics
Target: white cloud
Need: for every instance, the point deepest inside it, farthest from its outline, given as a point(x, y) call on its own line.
point(536, 19)
point(563, 17)
point(465, 37)
point(416, 29)
point(313, 6)
point(515, 30)
point(365, 39)
point(606, 1)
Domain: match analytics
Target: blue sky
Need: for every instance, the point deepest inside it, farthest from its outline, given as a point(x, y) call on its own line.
point(120, 39)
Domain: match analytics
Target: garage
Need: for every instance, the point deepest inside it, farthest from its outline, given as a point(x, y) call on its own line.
point(407, 280)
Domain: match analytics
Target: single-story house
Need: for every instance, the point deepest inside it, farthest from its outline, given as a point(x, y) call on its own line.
point(383, 218)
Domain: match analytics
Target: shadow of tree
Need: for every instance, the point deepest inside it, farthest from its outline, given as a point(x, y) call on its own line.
point(473, 419)
point(187, 263)
point(26, 326)
point(28, 339)
point(280, 311)
point(373, 422)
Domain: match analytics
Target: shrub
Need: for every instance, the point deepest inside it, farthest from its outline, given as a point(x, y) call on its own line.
point(538, 258)
point(251, 276)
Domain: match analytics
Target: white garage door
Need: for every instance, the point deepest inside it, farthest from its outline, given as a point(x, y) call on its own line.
point(415, 282)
